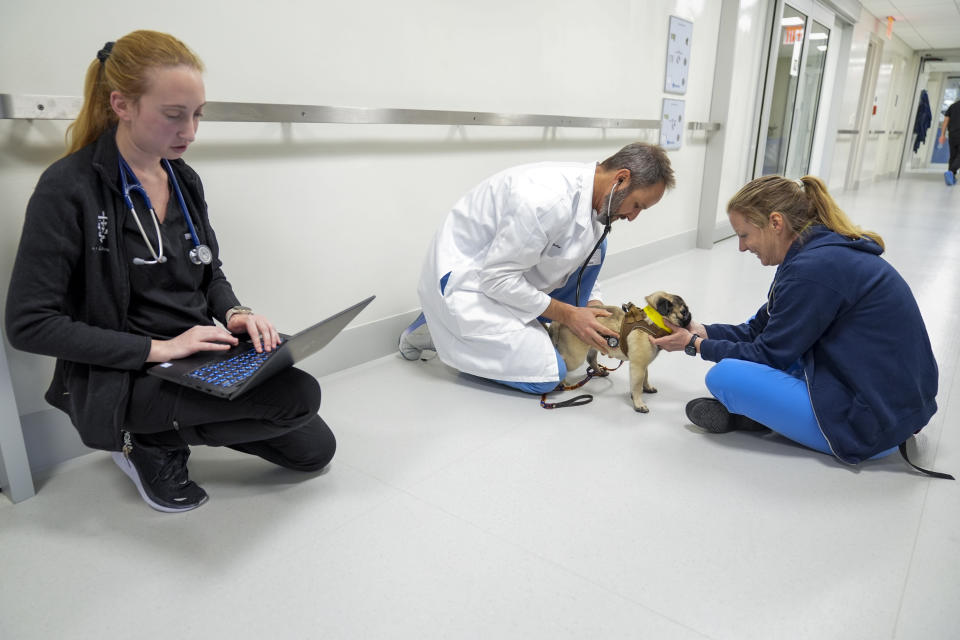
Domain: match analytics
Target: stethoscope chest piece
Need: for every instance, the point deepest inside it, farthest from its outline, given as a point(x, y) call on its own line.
point(201, 254)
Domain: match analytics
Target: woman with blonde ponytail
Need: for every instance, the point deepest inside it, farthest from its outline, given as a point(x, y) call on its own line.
point(123, 66)
point(837, 358)
point(118, 268)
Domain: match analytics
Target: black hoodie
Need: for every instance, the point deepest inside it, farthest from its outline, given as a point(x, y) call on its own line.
point(70, 288)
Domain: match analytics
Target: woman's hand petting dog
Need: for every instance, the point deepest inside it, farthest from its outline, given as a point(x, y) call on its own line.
point(678, 340)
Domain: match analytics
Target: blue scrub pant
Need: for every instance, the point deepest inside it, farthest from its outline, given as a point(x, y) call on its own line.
point(567, 293)
point(774, 398)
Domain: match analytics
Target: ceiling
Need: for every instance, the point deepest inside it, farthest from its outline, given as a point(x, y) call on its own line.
point(922, 24)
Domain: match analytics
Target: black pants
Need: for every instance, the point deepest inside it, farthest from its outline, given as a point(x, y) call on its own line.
point(277, 420)
point(954, 142)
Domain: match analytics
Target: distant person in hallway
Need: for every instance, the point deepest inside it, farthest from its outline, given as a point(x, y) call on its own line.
point(838, 357)
point(951, 126)
point(510, 256)
point(118, 267)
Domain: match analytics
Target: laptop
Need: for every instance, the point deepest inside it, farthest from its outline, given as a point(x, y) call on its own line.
point(227, 374)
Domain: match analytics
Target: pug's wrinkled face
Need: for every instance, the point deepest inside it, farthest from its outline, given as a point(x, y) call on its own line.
point(670, 306)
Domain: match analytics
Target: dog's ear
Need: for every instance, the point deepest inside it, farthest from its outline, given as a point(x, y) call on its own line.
point(664, 306)
point(654, 299)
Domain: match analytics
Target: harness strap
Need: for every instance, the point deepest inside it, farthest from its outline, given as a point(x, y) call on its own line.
point(934, 474)
point(637, 318)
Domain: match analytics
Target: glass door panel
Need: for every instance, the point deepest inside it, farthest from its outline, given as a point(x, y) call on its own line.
point(783, 99)
point(798, 154)
point(796, 68)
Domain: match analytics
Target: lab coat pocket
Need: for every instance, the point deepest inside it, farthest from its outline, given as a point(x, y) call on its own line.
point(555, 250)
point(478, 315)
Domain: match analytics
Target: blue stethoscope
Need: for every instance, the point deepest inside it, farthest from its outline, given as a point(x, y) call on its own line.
point(199, 254)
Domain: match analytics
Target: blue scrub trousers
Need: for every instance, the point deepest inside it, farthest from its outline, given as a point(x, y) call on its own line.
point(567, 293)
point(774, 398)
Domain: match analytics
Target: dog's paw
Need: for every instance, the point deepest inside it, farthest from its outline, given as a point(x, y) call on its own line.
point(641, 409)
point(649, 389)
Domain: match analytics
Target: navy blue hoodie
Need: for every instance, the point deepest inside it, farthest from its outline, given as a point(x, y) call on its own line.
point(841, 310)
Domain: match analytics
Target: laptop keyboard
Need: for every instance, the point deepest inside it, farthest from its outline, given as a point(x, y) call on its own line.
point(233, 371)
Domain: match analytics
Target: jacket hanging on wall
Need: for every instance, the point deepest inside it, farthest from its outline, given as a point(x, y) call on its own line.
point(922, 124)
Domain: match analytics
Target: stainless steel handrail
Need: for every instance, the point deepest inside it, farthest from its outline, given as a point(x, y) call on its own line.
point(41, 107)
point(871, 131)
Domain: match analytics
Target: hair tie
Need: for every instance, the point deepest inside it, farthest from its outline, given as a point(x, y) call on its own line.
point(104, 53)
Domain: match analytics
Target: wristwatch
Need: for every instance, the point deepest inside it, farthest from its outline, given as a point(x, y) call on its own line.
point(691, 348)
point(232, 311)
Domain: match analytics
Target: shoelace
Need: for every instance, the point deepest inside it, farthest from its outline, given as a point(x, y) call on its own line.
point(174, 467)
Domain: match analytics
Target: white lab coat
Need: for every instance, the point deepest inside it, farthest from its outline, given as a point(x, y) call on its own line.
point(506, 244)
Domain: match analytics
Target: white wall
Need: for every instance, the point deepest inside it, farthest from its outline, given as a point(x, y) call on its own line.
point(893, 96)
point(895, 88)
point(313, 217)
point(845, 145)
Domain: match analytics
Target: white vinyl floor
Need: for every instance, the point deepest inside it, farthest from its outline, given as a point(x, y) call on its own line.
point(457, 509)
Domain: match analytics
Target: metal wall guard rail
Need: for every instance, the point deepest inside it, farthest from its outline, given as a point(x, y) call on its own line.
point(39, 107)
point(871, 131)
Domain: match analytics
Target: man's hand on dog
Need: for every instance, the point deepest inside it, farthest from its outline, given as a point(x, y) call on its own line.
point(583, 322)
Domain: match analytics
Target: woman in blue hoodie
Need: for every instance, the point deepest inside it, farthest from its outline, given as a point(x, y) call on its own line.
point(838, 358)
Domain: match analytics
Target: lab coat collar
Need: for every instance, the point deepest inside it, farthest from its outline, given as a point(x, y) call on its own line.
point(586, 215)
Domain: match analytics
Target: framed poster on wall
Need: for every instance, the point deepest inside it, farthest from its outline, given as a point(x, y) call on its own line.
point(671, 124)
point(679, 36)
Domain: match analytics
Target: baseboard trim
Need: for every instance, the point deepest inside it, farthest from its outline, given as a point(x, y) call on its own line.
point(637, 257)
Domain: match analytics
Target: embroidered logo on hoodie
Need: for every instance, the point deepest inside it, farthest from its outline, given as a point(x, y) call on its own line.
point(101, 232)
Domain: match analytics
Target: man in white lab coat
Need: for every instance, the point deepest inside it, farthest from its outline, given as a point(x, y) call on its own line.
point(509, 256)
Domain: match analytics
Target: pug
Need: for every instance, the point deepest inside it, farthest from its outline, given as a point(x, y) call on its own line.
point(635, 326)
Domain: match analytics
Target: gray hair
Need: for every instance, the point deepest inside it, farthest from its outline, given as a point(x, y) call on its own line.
point(648, 165)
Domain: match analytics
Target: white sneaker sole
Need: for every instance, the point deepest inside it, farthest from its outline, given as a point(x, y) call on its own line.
point(127, 467)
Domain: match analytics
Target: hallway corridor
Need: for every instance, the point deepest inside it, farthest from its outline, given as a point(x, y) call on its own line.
point(455, 509)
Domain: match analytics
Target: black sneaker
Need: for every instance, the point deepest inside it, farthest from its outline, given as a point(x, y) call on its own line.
point(710, 415)
point(161, 476)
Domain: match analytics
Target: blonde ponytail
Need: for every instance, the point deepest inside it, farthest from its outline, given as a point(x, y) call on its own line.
point(802, 203)
point(831, 215)
point(123, 66)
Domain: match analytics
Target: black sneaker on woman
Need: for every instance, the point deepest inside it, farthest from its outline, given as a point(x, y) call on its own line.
point(710, 415)
point(160, 475)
